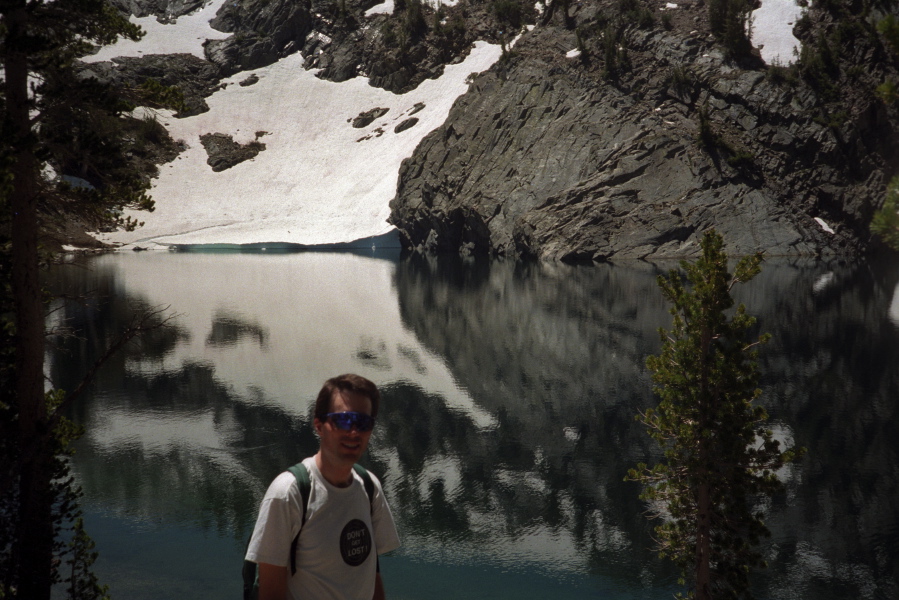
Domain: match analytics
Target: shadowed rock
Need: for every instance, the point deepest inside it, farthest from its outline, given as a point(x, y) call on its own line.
point(224, 152)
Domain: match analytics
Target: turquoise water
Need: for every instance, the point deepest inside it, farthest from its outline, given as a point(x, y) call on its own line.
point(507, 424)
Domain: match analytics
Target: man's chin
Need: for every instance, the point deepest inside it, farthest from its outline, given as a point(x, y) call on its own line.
point(352, 457)
point(351, 454)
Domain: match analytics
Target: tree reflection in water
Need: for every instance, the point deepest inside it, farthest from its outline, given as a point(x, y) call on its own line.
point(507, 425)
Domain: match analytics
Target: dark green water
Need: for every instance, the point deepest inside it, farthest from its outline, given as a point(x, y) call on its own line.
point(507, 424)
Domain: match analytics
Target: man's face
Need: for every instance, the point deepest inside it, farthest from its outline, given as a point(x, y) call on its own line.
point(341, 448)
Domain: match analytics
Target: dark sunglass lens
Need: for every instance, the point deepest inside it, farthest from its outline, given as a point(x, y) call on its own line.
point(364, 422)
point(347, 420)
point(342, 421)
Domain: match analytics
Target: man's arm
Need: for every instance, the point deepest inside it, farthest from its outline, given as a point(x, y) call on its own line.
point(379, 588)
point(273, 582)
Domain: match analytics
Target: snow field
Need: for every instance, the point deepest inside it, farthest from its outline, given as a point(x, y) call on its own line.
point(319, 181)
point(186, 36)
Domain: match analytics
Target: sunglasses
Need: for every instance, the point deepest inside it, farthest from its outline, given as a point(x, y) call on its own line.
point(347, 420)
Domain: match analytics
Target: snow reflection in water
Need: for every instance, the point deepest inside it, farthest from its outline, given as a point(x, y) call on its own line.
point(506, 428)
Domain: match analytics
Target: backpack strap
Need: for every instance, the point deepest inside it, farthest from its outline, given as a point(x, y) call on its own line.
point(301, 473)
point(368, 483)
point(370, 491)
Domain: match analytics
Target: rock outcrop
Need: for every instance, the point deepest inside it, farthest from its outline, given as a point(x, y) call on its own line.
point(558, 158)
point(263, 32)
point(165, 10)
point(196, 78)
point(224, 152)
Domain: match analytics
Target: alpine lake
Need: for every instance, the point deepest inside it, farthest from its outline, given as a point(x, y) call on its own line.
point(507, 422)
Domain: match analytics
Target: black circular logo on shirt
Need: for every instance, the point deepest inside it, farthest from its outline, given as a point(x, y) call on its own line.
point(355, 543)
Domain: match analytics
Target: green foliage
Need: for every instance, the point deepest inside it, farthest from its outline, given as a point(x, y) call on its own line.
point(888, 27)
point(718, 456)
point(782, 75)
point(449, 30)
point(666, 21)
point(741, 158)
point(616, 61)
point(711, 141)
point(508, 13)
point(415, 24)
point(153, 94)
point(82, 132)
point(83, 584)
point(388, 34)
point(833, 120)
point(634, 13)
point(888, 92)
point(580, 44)
point(45, 105)
point(681, 79)
point(819, 67)
point(729, 21)
point(150, 130)
point(707, 137)
point(886, 220)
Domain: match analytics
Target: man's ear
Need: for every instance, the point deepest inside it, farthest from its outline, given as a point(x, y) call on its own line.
point(317, 425)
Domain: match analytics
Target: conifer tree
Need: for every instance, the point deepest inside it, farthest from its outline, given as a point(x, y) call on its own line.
point(719, 457)
point(41, 99)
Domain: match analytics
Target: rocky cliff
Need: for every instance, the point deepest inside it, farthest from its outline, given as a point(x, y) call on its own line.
point(597, 156)
point(611, 129)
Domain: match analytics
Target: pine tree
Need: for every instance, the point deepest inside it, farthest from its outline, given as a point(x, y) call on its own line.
point(719, 457)
point(83, 584)
point(40, 97)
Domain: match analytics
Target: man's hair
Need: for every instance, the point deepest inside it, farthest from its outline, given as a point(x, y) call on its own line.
point(346, 383)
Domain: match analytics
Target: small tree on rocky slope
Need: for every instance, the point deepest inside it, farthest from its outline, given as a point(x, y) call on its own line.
point(718, 455)
point(730, 22)
point(886, 220)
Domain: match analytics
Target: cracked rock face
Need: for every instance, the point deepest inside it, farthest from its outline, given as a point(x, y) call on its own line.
point(263, 32)
point(541, 159)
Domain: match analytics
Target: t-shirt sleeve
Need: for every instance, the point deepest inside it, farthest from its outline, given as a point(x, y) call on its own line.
point(386, 537)
point(277, 524)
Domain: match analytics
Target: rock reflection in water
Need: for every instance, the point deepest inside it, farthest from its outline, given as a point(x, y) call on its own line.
point(508, 418)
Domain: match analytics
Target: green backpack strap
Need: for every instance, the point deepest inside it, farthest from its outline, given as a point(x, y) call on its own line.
point(367, 482)
point(370, 491)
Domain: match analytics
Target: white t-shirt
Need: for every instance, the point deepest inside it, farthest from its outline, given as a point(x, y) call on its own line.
point(340, 542)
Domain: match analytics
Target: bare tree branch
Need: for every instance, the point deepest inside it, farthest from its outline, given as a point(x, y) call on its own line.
point(140, 324)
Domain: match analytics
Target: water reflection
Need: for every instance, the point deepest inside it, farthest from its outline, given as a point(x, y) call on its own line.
point(508, 421)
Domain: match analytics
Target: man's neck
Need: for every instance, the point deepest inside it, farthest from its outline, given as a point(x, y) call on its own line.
point(336, 475)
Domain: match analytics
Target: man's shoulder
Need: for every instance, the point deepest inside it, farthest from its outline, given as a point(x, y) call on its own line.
point(360, 473)
point(282, 487)
point(285, 484)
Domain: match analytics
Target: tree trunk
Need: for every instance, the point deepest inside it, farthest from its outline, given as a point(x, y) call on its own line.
point(703, 544)
point(35, 527)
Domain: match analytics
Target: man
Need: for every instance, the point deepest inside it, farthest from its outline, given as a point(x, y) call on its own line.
point(344, 530)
